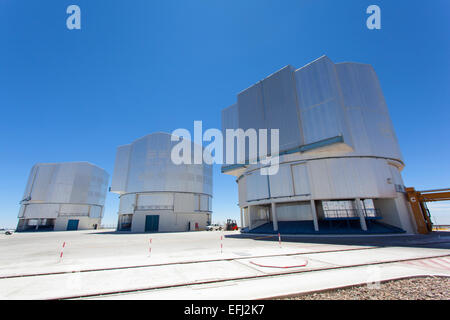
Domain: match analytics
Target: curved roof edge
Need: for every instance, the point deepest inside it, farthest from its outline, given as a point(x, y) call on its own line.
point(286, 66)
point(154, 134)
point(68, 162)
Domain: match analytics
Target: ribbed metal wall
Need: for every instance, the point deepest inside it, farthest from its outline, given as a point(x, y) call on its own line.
point(150, 183)
point(64, 189)
point(336, 137)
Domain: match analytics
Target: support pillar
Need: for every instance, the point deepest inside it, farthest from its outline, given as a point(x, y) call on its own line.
point(362, 218)
point(242, 219)
point(250, 209)
point(314, 215)
point(274, 216)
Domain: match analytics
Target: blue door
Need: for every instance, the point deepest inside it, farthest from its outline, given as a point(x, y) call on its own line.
point(72, 225)
point(151, 223)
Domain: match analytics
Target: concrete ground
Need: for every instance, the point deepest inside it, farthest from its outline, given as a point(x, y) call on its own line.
point(192, 265)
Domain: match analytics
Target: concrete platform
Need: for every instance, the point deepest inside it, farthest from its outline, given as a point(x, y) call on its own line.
point(281, 286)
point(192, 265)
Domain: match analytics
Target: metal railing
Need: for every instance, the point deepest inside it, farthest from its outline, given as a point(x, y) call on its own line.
point(73, 214)
point(371, 213)
point(154, 207)
point(351, 214)
point(341, 214)
point(108, 226)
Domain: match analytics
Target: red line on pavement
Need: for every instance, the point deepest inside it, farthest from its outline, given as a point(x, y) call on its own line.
point(440, 265)
point(282, 267)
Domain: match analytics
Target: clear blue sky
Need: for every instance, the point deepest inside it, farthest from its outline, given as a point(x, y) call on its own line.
point(138, 67)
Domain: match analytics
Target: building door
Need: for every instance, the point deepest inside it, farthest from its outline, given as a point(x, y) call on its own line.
point(72, 225)
point(151, 223)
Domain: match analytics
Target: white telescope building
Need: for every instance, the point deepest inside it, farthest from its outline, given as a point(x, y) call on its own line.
point(156, 194)
point(340, 161)
point(63, 196)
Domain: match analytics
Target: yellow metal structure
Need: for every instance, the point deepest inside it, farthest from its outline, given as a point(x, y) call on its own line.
point(418, 200)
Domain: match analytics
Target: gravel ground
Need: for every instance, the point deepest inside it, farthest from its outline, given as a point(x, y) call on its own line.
point(429, 288)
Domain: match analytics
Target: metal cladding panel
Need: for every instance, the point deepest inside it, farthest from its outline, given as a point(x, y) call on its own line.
point(196, 202)
point(301, 179)
point(98, 186)
point(21, 211)
point(30, 182)
point(229, 121)
point(269, 104)
point(204, 203)
point(74, 209)
point(119, 179)
point(320, 102)
point(81, 184)
point(383, 173)
point(396, 176)
point(230, 118)
point(151, 169)
point(71, 182)
point(185, 202)
point(90, 184)
point(316, 82)
point(43, 185)
point(319, 122)
point(156, 199)
point(281, 110)
point(352, 177)
point(207, 180)
point(257, 187)
point(360, 136)
point(62, 184)
point(251, 111)
point(95, 212)
point(361, 91)
point(41, 211)
point(127, 203)
point(281, 183)
point(319, 180)
point(342, 178)
point(242, 190)
point(294, 212)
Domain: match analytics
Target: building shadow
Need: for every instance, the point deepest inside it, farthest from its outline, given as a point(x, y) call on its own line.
point(435, 240)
